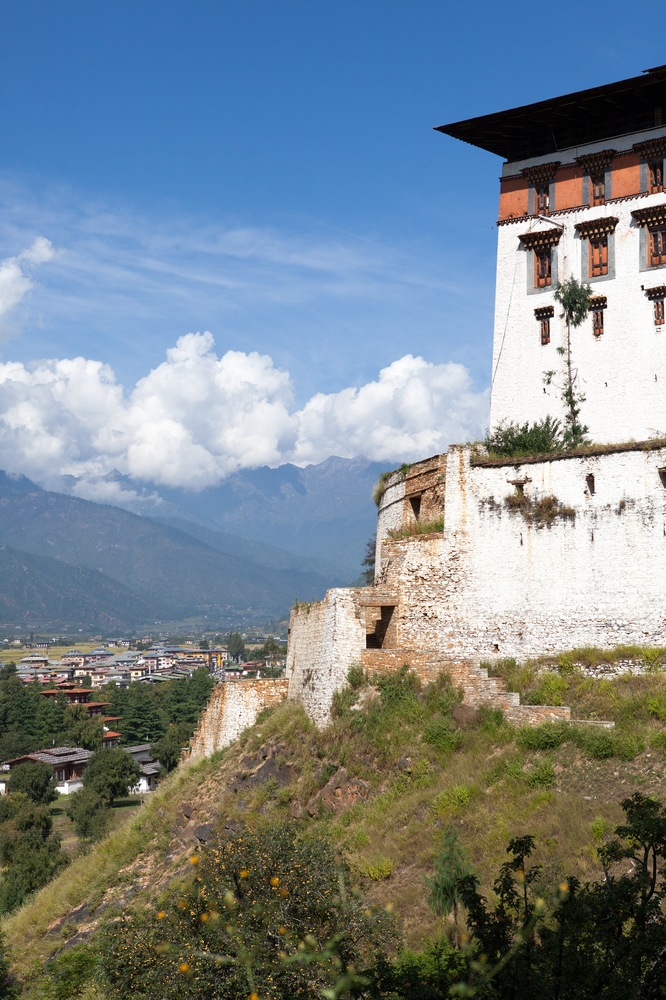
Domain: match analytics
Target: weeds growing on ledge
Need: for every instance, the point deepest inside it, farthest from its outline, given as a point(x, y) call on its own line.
point(419, 528)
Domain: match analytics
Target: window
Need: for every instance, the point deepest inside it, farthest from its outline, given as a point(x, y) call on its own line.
point(656, 176)
point(658, 312)
point(597, 187)
point(598, 256)
point(542, 268)
point(657, 246)
point(539, 243)
point(597, 250)
point(597, 305)
point(543, 316)
point(415, 503)
point(542, 198)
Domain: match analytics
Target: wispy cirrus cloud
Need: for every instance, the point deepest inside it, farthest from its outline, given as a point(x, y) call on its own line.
point(327, 305)
point(16, 277)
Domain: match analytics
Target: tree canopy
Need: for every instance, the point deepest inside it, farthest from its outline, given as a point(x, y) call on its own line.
point(110, 773)
point(36, 779)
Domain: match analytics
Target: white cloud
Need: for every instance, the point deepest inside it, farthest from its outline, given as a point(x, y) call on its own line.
point(330, 306)
point(15, 276)
point(198, 417)
point(414, 409)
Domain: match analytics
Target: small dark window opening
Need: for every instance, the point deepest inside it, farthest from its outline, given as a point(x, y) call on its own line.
point(662, 476)
point(598, 187)
point(598, 322)
point(377, 638)
point(542, 268)
point(589, 479)
point(657, 249)
point(542, 198)
point(656, 176)
point(415, 503)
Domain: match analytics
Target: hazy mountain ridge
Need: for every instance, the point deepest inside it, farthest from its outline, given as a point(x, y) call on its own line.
point(170, 567)
point(323, 511)
point(38, 588)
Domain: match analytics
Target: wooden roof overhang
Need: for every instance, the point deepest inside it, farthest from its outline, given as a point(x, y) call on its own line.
point(541, 239)
point(653, 215)
point(656, 292)
point(586, 116)
point(596, 228)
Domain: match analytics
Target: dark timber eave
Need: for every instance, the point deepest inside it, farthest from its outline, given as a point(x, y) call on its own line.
point(547, 127)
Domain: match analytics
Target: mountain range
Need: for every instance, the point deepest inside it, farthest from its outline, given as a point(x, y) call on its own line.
point(71, 563)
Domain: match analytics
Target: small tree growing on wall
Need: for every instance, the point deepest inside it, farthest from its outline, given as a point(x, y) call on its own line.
point(574, 297)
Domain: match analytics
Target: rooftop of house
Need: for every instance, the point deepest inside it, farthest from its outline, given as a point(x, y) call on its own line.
point(54, 756)
point(614, 109)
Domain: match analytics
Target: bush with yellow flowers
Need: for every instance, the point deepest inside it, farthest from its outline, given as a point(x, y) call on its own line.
point(271, 913)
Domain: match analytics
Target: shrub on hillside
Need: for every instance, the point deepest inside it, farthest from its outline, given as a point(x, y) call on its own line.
point(270, 913)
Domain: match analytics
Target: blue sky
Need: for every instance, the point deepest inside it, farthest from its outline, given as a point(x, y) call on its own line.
point(265, 170)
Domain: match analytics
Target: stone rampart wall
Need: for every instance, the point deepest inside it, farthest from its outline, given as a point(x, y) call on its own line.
point(231, 708)
point(501, 582)
point(325, 639)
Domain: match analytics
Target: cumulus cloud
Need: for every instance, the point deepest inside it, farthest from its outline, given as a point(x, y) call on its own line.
point(413, 409)
point(198, 417)
point(16, 276)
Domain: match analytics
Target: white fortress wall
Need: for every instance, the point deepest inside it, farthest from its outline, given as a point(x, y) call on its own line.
point(390, 518)
point(496, 585)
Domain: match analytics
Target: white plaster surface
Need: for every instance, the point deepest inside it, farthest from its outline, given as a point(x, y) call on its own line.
point(622, 374)
point(231, 708)
point(493, 584)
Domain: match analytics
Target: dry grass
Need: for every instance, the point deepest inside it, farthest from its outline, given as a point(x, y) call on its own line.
point(492, 782)
point(479, 457)
point(418, 528)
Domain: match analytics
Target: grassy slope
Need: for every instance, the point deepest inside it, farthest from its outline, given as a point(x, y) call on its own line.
point(422, 771)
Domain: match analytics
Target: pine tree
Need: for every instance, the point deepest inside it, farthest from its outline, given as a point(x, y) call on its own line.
point(451, 865)
point(142, 722)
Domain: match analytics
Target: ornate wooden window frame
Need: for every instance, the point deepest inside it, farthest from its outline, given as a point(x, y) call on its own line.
point(541, 177)
point(598, 252)
point(652, 221)
point(541, 242)
point(597, 172)
point(657, 295)
point(598, 304)
point(544, 315)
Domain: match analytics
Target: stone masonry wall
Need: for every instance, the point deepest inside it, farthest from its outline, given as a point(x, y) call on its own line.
point(232, 707)
point(325, 639)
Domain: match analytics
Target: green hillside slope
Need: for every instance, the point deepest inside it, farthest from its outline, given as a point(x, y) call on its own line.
point(396, 766)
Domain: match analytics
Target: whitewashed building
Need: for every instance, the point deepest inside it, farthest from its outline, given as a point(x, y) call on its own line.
point(582, 195)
